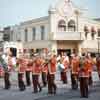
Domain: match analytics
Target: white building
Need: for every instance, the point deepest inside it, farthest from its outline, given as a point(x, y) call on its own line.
point(1, 36)
point(63, 30)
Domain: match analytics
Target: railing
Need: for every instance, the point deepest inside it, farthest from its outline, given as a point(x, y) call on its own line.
point(66, 36)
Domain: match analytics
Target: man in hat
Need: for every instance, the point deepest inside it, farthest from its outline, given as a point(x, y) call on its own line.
point(28, 63)
point(65, 62)
point(84, 75)
point(36, 71)
point(51, 75)
point(98, 65)
point(6, 72)
point(90, 66)
point(74, 71)
point(44, 63)
point(21, 71)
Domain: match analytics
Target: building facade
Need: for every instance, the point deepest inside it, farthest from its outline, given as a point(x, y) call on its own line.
point(63, 30)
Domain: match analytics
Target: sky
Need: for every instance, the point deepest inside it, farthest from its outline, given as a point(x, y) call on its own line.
point(15, 11)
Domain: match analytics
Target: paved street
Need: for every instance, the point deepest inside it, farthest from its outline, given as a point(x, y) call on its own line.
point(64, 92)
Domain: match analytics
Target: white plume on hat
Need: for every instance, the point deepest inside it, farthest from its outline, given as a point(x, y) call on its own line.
point(58, 58)
point(36, 54)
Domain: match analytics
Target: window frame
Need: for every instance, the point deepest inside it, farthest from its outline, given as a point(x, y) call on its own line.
point(62, 25)
point(72, 25)
point(26, 34)
point(33, 33)
point(42, 27)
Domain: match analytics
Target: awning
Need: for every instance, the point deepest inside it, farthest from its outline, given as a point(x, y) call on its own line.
point(92, 50)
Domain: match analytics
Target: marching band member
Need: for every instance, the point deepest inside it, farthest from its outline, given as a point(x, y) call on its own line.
point(84, 75)
point(44, 72)
point(7, 73)
point(28, 70)
point(3, 62)
point(51, 75)
point(90, 66)
point(10, 64)
point(74, 71)
point(21, 71)
point(65, 62)
point(36, 71)
point(98, 65)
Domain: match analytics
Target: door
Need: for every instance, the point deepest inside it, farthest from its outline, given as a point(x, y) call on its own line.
point(62, 51)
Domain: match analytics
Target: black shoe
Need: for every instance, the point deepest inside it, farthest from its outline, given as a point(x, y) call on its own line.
point(84, 97)
point(54, 93)
point(7, 88)
point(22, 89)
point(28, 85)
point(40, 89)
point(44, 85)
point(35, 92)
point(50, 92)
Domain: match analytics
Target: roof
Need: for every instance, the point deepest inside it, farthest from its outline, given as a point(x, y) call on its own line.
point(51, 5)
point(35, 20)
point(54, 4)
point(97, 19)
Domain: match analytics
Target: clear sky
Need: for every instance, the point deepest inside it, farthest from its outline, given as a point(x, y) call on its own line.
point(15, 11)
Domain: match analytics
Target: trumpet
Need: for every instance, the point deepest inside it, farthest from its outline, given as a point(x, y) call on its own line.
point(46, 62)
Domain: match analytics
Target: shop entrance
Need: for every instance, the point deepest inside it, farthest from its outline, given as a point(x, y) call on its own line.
point(13, 51)
point(67, 51)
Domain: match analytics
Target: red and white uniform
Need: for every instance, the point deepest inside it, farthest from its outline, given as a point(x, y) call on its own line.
point(10, 64)
point(75, 65)
point(22, 66)
point(66, 64)
point(29, 65)
point(44, 67)
point(52, 66)
point(36, 69)
point(87, 68)
point(1, 72)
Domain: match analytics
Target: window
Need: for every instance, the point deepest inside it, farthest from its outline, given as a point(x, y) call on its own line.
point(11, 36)
point(99, 32)
point(34, 33)
point(71, 25)
point(26, 34)
point(86, 30)
point(93, 32)
point(42, 32)
point(62, 25)
point(18, 36)
point(6, 37)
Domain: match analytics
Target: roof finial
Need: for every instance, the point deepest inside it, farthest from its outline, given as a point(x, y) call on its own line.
point(67, 1)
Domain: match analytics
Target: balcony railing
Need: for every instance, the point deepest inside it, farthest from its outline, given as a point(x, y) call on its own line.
point(66, 36)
